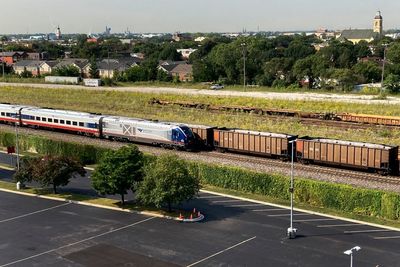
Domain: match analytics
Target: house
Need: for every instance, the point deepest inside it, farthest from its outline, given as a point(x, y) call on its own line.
point(32, 66)
point(47, 67)
point(11, 57)
point(108, 67)
point(186, 52)
point(184, 72)
point(179, 69)
point(81, 64)
point(37, 56)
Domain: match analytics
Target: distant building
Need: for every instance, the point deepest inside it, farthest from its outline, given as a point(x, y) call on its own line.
point(179, 69)
point(79, 63)
point(58, 33)
point(179, 37)
point(108, 67)
point(200, 39)
point(36, 67)
point(186, 52)
point(368, 35)
point(9, 58)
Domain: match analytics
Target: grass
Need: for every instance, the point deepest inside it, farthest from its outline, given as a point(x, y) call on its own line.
point(137, 105)
point(323, 210)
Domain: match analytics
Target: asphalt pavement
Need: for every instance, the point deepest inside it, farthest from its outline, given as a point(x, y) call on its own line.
point(41, 232)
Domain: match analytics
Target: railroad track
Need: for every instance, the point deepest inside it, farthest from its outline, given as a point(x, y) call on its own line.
point(249, 162)
point(347, 174)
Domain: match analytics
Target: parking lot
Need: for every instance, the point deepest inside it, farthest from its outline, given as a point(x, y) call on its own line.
point(41, 232)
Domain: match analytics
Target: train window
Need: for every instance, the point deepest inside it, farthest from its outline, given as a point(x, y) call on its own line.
point(8, 114)
point(74, 123)
point(50, 120)
point(55, 120)
point(81, 124)
point(62, 121)
point(43, 119)
point(38, 118)
point(68, 122)
point(3, 114)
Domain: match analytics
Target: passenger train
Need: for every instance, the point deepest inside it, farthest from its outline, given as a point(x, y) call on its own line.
point(110, 127)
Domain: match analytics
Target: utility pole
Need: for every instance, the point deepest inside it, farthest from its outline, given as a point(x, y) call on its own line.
point(2, 59)
point(244, 65)
point(383, 66)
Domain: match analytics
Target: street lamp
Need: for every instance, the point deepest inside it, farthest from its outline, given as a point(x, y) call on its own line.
point(244, 64)
point(350, 253)
point(291, 231)
point(17, 119)
point(383, 67)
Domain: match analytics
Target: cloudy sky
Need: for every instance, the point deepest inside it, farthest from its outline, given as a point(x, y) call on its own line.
point(91, 16)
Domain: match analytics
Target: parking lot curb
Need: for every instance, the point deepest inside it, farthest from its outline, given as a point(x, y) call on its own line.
point(303, 210)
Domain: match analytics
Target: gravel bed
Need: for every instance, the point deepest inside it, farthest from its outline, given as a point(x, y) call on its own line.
point(242, 161)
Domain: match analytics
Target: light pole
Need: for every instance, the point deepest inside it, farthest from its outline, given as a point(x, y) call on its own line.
point(350, 252)
point(291, 231)
point(17, 117)
point(244, 65)
point(383, 66)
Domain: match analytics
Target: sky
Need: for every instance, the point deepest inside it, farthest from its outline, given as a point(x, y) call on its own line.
point(141, 16)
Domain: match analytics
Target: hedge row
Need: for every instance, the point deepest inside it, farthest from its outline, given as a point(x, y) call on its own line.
point(316, 193)
point(87, 154)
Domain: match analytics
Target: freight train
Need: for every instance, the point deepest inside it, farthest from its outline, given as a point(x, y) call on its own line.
point(343, 154)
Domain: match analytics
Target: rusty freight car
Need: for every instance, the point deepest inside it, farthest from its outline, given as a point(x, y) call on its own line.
point(369, 119)
point(372, 157)
point(274, 145)
point(204, 135)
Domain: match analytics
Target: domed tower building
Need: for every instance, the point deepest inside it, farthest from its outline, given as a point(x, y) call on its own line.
point(378, 23)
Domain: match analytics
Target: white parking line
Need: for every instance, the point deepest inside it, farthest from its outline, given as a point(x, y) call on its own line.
point(288, 214)
point(226, 201)
point(246, 205)
point(387, 237)
point(32, 213)
point(78, 242)
point(268, 210)
point(315, 220)
point(338, 225)
point(367, 231)
point(220, 252)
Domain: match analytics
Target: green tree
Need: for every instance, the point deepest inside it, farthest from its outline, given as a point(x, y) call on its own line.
point(26, 74)
point(393, 53)
point(119, 171)
point(162, 76)
point(392, 83)
point(136, 74)
point(168, 181)
point(370, 71)
point(67, 71)
point(50, 170)
point(94, 71)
